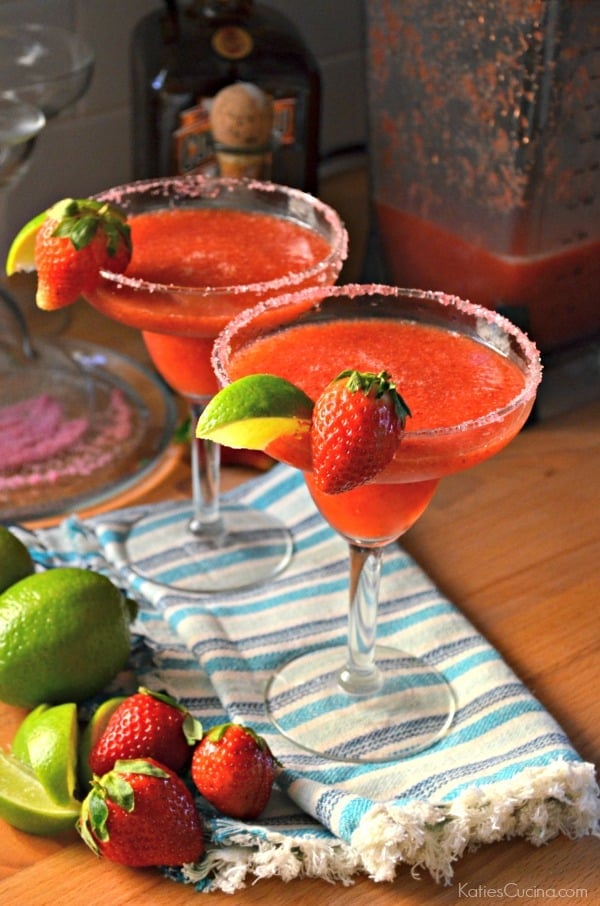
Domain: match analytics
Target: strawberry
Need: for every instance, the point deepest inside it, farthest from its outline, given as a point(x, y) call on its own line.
point(147, 725)
point(76, 240)
point(356, 427)
point(234, 770)
point(140, 814)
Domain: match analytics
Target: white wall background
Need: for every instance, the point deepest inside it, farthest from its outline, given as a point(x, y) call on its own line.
point(87, 148)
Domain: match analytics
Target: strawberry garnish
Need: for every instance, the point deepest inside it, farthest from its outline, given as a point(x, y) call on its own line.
point(357, 425)
point(234, 770)
point(78, 238)
point(140, 814)
point(147, 725)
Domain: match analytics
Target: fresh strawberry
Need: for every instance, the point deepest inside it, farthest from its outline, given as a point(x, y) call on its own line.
point(77, 239)
point(234, 770)
point(356, 427)
point(141, 813)
point(147, 725)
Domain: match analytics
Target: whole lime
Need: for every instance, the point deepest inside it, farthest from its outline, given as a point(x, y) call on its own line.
point(64, 635)
point(15, 559)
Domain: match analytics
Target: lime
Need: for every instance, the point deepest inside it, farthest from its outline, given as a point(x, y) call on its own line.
point(252, 412)
point(25, 804)
point(21, 254)
point(64, 635)
point(52, 750)
point(92, 732)
point(20, 743)
point(15, 559)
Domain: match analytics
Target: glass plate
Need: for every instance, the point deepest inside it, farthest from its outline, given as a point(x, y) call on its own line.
point(56, 455)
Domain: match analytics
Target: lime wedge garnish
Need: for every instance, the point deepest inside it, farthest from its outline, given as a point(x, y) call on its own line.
point(21, 254)
point(52, 746)
point(254, 411)
point(25, 804)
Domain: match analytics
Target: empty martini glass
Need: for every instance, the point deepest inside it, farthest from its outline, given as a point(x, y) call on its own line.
point(203, 250)
point(44, 65)
point(469, 378)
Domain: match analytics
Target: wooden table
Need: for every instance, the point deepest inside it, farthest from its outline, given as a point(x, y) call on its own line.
point(515, 544)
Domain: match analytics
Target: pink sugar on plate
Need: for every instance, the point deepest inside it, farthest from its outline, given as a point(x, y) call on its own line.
point(36, 430)
point(40, 445)
point(62, 449)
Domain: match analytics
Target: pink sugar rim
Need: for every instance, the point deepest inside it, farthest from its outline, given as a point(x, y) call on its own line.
point(533, 373)
point(197, 186)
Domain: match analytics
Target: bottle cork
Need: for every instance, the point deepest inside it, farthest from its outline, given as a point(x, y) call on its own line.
point(241, 119)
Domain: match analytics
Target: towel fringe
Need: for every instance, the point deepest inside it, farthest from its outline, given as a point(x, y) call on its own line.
point(537, 805)
point(248, 858)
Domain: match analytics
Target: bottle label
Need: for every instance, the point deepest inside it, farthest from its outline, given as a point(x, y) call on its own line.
point(232, 42)
point(284, 110)
point(192, 142)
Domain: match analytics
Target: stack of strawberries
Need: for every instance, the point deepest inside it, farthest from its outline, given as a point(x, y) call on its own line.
point(140, 811)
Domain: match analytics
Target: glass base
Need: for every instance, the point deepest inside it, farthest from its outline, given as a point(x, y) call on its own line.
point(250, 548)
point(411, 711)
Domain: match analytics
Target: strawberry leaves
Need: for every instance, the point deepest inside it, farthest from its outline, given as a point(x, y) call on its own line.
point(79, 221)
point(376, 385)
point(192, 729)
point(93, 823)
point(141, 813)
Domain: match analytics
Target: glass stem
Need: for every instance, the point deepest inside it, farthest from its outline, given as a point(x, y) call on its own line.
point(206, 468)
point(360, 675)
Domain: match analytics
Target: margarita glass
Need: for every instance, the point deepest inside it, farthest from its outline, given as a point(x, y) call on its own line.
point(203, 250)
point(469, 378)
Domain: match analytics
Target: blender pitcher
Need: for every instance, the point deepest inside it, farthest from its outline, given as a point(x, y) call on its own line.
point(485, 154)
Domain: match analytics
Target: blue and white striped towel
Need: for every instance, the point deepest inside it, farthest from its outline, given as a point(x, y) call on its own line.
point(504, 769)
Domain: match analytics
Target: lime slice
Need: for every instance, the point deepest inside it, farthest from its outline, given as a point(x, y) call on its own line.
point(52, 749)
point(25, 804)
point(254, 411)
point(21, 254)
point(20, 743)
point(90, 736)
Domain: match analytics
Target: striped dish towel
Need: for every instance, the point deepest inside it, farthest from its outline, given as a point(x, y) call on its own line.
point(504, 769)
